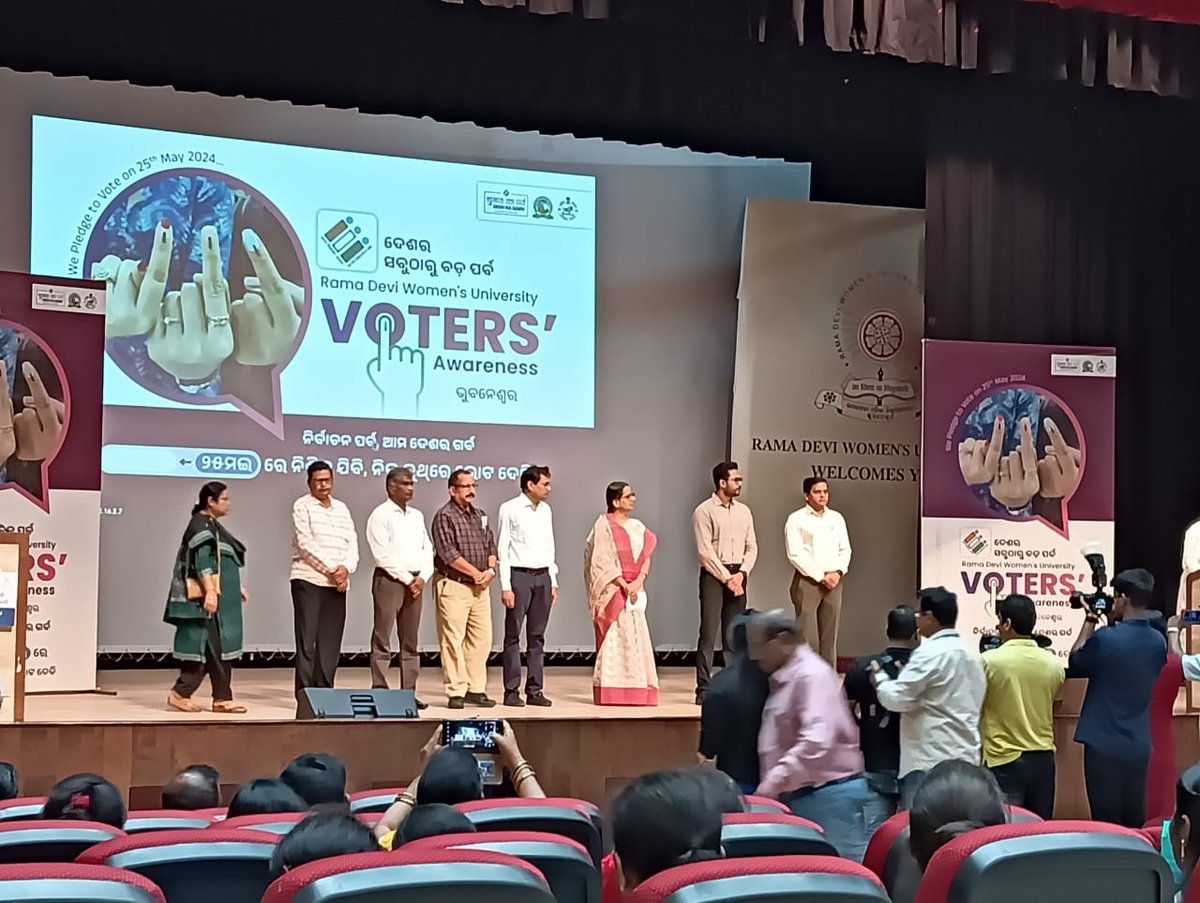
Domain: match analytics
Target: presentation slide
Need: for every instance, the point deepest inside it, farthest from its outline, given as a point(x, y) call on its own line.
point(274, 279)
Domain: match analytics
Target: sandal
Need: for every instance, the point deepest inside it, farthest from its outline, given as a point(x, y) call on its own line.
point(228, 707)
point(182, 703)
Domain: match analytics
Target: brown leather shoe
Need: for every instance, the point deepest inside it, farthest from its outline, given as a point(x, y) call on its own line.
point(228, 707)
point(175, 701)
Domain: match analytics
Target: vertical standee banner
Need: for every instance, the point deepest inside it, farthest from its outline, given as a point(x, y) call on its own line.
point(51, 352)
point(826, 382)
point(1015, 518)
point(14, 588)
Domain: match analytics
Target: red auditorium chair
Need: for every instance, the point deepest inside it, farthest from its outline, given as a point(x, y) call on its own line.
point(430, 876)
point(139, 821)
point(821, 879)
point(62, 882)
point(1048, 862)
point(576, 819)
point(764, 804)
point(226, 866)
point(745, 834)
point(566, 865)
point(378, 800)
point(53, 840)
point(22, 807)
point(271, 822)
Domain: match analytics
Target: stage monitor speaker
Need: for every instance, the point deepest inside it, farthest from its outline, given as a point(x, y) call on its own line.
point(363, 704)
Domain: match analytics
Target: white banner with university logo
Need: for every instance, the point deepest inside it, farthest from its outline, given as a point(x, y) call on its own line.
point(827, 382)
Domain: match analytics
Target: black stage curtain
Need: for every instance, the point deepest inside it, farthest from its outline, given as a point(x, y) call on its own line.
point(1080, 226)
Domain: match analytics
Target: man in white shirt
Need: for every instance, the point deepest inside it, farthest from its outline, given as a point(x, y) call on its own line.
point(324, 555)
point(818, 547)
point(403, 556)
point(940, 693)
point(528, 583)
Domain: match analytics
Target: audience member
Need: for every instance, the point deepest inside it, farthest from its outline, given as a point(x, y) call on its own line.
point(317, 777)
point(731, 710)
point(451, 775)
point(1161, 769)
point(939, 692)
point(723, 792)
point(430, 820)
point(808, 745)
point(1122, 662)
point(1179, 838)
point(10, 783)
point(660, 820)
point(85, 797)
point(196, 787)
point(954, 798)
point(1017, 720)
point(264, 796)
point(879, 729)
point(320, 836)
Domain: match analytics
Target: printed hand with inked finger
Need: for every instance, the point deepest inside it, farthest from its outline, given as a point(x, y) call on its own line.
point(1016, 481)
point(38, 427)
point(1059, 470)
point(398, 374)
point(266, 320)
point(979, 459)
point(136, 289)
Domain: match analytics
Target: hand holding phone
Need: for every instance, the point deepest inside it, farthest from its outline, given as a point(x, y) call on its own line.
point(472, 734)
point(1189, 618)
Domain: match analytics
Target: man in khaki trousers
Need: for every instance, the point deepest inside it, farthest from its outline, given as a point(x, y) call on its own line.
point(818, 547)
point(464, 557)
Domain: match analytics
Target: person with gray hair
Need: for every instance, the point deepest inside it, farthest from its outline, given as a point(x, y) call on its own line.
point(403, 556)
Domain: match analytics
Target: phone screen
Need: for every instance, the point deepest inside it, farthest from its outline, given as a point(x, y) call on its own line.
point(1191, 618)
point(473, 734)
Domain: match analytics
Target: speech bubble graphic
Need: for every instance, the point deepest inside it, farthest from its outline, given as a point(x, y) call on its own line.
point(210, 287)
point(1022, 454)
point(35, 412)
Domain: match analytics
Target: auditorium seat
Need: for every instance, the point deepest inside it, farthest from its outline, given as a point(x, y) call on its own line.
point(378, 800)
point(138, 821)
point(272, 822)
point(1048, 862)
point(22, 807)
point(772, 834)
point(820, 879)
point(565, 864)
point(429, 876)
point(52, 840)
point(576, 819)
point(67, 882)
point(212, 864)
point(764, 804)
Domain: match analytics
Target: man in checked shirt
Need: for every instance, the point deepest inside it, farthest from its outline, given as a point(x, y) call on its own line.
point(464, 557)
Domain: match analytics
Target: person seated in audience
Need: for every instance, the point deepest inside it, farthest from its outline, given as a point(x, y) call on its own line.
point(1179, 837)
point(431, 820)
point(264, 796)
point(954, 798)
point(722, 790)
point(317, 777)
point(659, 821)
point(450, 775)
point(85, 797)
point(10, 784)
point(320, 836)
point(731, 712)
point(196, 787)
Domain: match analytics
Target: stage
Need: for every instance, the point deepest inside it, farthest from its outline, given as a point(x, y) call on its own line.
point(579, 749)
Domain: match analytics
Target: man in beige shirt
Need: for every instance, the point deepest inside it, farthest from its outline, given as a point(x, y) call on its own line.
point(727, 549)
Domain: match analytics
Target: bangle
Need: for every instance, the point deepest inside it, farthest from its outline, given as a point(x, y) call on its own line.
point(1092, 619)
point(408, 799)
point(1172, 630)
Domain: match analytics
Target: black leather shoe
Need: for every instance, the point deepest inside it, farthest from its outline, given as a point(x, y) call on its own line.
point(421, 706)
point(539, 700)
point(513, 699)
point(482, 700)
point(456, 702)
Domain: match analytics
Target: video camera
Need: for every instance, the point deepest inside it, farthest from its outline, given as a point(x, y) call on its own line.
point(1097, 602)
point(990, 641)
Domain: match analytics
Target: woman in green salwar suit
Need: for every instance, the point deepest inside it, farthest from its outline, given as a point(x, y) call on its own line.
point(208, 631)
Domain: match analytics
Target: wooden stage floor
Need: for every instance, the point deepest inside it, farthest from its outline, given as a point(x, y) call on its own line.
point(267, 693)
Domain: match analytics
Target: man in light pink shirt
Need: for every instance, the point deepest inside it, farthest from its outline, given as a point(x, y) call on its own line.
point(808, 749)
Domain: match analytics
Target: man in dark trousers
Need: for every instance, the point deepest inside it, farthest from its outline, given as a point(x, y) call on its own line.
point(731, 713)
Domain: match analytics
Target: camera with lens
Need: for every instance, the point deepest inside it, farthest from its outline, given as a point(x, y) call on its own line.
point(990, 641)
point(1097, 602)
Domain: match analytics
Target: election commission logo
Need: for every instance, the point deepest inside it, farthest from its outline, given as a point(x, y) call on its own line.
point(876, 334)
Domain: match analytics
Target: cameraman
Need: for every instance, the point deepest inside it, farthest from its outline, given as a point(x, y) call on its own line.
point(1121, 663)
point(1017, 721)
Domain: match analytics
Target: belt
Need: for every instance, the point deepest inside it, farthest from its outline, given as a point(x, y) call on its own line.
point(809, 791)
point(457, 577)
point(535, 571)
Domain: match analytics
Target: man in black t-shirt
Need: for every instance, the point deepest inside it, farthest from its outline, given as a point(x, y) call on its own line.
point(879, 729)
point(731, 712)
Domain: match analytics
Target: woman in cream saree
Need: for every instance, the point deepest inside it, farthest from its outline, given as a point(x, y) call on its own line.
point(616, 561)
